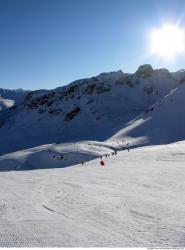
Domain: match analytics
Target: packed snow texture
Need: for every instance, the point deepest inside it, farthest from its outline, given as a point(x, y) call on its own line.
point(135, 200)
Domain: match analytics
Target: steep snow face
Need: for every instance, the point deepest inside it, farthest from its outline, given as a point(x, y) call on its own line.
point(163, 122)
point(9, 98)
point(87, 109)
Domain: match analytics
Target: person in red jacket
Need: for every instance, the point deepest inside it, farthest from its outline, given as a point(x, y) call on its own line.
point(102, 163)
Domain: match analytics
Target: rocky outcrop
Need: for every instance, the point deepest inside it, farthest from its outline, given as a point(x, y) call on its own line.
point(70, 116)
point(145, 70)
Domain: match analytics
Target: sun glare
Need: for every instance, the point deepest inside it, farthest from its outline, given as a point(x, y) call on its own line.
point(167, 42)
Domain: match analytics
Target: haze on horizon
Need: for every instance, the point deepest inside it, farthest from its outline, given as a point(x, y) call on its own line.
point(49, 43)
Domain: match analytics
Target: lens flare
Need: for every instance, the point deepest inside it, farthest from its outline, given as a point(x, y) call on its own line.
point(167, 42)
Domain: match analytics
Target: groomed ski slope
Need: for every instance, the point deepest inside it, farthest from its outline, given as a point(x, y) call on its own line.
point(136, 200)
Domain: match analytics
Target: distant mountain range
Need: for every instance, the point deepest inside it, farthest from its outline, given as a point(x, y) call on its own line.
point(8, 97)
point(148, 104)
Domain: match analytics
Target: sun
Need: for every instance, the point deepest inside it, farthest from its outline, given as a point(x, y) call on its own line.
point(167, 42)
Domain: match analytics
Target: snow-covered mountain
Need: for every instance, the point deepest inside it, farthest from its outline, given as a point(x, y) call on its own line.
point(135, 200)
point(8, 97)
point(6, 103)
point(163, 122)
point(88, 109)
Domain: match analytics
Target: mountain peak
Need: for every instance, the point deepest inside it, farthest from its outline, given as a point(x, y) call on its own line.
point(144, 70)
point(87, 109)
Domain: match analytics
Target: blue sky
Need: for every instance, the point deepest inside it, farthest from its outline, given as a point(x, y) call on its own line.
point(49, 43)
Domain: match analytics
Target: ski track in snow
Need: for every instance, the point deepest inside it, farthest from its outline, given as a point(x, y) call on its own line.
point(136, 200)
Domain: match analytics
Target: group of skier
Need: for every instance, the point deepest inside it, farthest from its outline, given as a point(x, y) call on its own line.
point(61, 157)
point(102, 163)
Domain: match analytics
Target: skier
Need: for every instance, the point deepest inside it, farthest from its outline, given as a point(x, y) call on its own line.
point(128, 147)
point(102, 163)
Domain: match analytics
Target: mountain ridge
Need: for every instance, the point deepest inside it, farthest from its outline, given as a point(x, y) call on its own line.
point(93, 108)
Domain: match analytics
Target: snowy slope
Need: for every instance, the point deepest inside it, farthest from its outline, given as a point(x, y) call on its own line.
point(6, 103)
point(163, 122)
point(8, 97)
point(55, 155)
point(88, 109)
point(49, 199)
point(136, 200)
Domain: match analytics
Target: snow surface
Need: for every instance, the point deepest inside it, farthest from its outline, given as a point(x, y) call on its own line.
point(8, 97)
point(164, 122)
point(49, 198)
point(136, 200)
point(49, 156)
point(6, 103)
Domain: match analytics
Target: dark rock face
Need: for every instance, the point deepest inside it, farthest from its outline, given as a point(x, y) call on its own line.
point(70, 116)
point(89, 89)
point(145, 70)
point(1, 124)
point(149, 89)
